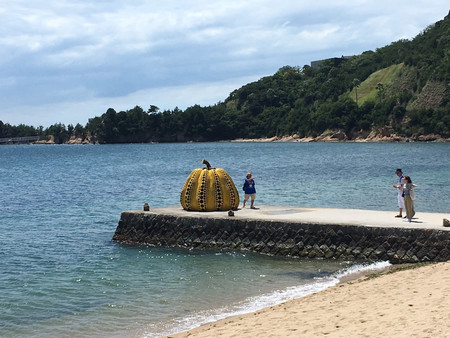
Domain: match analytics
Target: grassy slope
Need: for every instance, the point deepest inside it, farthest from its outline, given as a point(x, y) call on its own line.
point(367, 89)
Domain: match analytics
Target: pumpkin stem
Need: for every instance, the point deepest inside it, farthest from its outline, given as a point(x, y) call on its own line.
point(205, 162)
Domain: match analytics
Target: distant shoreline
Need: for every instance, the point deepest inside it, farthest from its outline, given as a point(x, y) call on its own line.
point(341, 137)
point(333, 137)
point(336, 136)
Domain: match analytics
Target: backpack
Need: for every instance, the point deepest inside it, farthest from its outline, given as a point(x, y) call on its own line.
point(243, 187)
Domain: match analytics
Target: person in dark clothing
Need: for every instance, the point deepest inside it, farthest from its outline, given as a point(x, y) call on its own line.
point(249, 189)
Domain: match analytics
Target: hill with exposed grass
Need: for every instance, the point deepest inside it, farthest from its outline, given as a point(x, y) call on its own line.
point(398, 92)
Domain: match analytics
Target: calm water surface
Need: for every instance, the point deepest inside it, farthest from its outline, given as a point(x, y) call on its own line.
point(60, 274)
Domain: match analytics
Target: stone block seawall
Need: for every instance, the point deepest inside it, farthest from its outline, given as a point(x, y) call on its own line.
point(282, 238)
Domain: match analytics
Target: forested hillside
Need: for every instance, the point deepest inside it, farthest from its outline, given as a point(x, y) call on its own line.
point(400, 90)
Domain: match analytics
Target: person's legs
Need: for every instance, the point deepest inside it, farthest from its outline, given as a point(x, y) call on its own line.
point(401, 205)
point(252, 201)
point(409, 209)
point(246, 196)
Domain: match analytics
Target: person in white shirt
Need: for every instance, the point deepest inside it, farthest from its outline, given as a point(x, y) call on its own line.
point(399, 186)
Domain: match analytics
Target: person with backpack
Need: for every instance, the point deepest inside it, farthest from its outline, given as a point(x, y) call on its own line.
point(249, 190)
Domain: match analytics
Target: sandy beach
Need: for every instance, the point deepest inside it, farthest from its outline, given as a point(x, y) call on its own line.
point(404, 302)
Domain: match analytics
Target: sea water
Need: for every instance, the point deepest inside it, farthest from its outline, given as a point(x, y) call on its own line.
point(61, 275)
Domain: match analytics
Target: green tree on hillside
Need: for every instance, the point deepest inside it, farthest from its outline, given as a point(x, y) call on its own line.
point(356, 84)
point(381, 90)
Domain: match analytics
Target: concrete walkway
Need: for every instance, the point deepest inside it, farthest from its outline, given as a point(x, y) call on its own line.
point(369, 218)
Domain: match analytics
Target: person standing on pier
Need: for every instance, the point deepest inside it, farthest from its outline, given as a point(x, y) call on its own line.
point(407, 190)
point(399, 186)
point(249, 190)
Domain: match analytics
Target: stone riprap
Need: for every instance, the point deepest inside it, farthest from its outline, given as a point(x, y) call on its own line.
point(296, 232)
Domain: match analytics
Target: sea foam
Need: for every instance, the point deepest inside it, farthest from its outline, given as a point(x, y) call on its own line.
point(256, 303)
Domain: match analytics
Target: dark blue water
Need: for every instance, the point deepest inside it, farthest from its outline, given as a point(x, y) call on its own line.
point(60, 274)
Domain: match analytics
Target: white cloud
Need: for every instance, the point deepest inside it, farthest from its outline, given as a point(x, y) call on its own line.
point(165, 98)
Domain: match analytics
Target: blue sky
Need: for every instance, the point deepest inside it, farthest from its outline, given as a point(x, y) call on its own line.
point(70, 60)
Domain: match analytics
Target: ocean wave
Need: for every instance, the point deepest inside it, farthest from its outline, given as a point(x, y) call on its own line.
point(256, 303)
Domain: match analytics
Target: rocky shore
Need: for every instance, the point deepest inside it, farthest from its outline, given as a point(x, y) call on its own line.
point(384, 135)
point(72, 140)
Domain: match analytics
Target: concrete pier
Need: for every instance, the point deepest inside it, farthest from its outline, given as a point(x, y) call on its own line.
point(293, 231)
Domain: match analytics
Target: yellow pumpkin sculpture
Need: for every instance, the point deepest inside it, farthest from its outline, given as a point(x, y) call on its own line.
point(209, 189)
